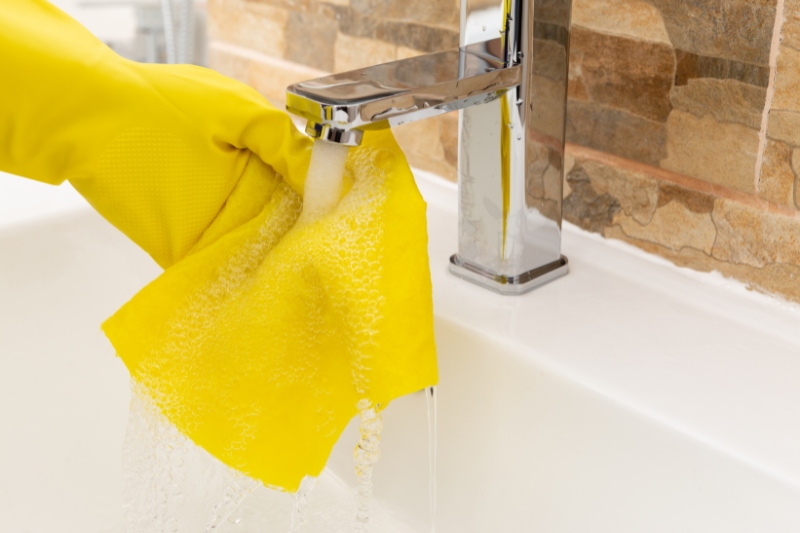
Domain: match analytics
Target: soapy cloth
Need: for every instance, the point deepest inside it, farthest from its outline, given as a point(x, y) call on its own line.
point(266, 329)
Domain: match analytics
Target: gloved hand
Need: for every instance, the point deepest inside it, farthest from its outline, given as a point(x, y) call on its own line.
point(156, 149)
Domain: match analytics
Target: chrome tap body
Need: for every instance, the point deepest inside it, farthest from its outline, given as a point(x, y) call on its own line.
point(508, 80)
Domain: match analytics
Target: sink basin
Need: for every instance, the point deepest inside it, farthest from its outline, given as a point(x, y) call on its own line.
point(629, 396)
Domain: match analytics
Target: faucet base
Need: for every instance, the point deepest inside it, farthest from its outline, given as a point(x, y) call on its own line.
point(520, 284)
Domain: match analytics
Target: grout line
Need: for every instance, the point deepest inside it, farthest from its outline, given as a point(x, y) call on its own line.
point(696, 184)
point(773, 71)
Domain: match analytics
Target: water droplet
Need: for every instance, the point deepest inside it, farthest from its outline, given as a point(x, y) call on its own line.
point(300, 511)
point(366, 454)
point(430, 396)
point(484, 28)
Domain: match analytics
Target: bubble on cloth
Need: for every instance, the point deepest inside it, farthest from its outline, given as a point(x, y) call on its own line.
point(260, 346)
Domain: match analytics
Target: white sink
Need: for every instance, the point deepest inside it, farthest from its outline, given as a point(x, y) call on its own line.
point(629, 396)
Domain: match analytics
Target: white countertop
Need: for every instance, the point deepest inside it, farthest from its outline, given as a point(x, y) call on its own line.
point(23, 200)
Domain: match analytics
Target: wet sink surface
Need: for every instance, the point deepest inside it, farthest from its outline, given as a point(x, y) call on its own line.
point(628, 396)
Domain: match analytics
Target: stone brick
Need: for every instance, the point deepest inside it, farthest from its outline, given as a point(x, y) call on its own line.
point(725, 100)
point(616, 132)
point(775, 278)
point(787, 80)
point(260, 27)
point(270, 79)
point(626, 74)
point(352, 53)
point(418, 36)
point(691, 66)
point(430, 12)
point(777, 180)
point(313, 35)
point(693, 200)
point(634, 19)
point(718, 152)
point(754, 237)
point(790, 32)
point(732, 29)
point(404, 52)
point(784, 126)
point(637, 194)
point(673, 226)
point(585, 206)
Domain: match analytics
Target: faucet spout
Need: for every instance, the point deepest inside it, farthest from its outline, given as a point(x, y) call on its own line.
point(339, 106)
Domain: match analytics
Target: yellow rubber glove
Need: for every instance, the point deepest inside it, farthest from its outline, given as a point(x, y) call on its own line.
point(156, 149)
point(265, 333)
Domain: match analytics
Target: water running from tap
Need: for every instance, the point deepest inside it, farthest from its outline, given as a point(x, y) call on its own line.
point(325, 180)
point(300, 510)
point(237, 489)
point(323, 190)
point(430, 396)
point(366, 454)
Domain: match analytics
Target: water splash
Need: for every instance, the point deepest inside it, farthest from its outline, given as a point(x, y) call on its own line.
point(300, 510)
point(237, 489)
point(430, 397)
point(154, 469)
point(174, 486)
point(366, 454)
point(325, 180)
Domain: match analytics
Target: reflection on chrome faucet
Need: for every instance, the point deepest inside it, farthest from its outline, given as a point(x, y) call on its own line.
point(508, 80)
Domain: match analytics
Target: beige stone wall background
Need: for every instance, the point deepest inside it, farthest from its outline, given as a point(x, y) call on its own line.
point(683, 120)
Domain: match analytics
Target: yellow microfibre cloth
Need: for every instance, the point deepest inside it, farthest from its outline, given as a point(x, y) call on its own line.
point(259, 345)
point(265, 330)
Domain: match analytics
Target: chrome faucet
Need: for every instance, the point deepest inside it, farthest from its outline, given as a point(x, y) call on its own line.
point(508, 80)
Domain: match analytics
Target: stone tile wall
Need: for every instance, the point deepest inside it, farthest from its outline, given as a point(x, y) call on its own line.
point(683, 120)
